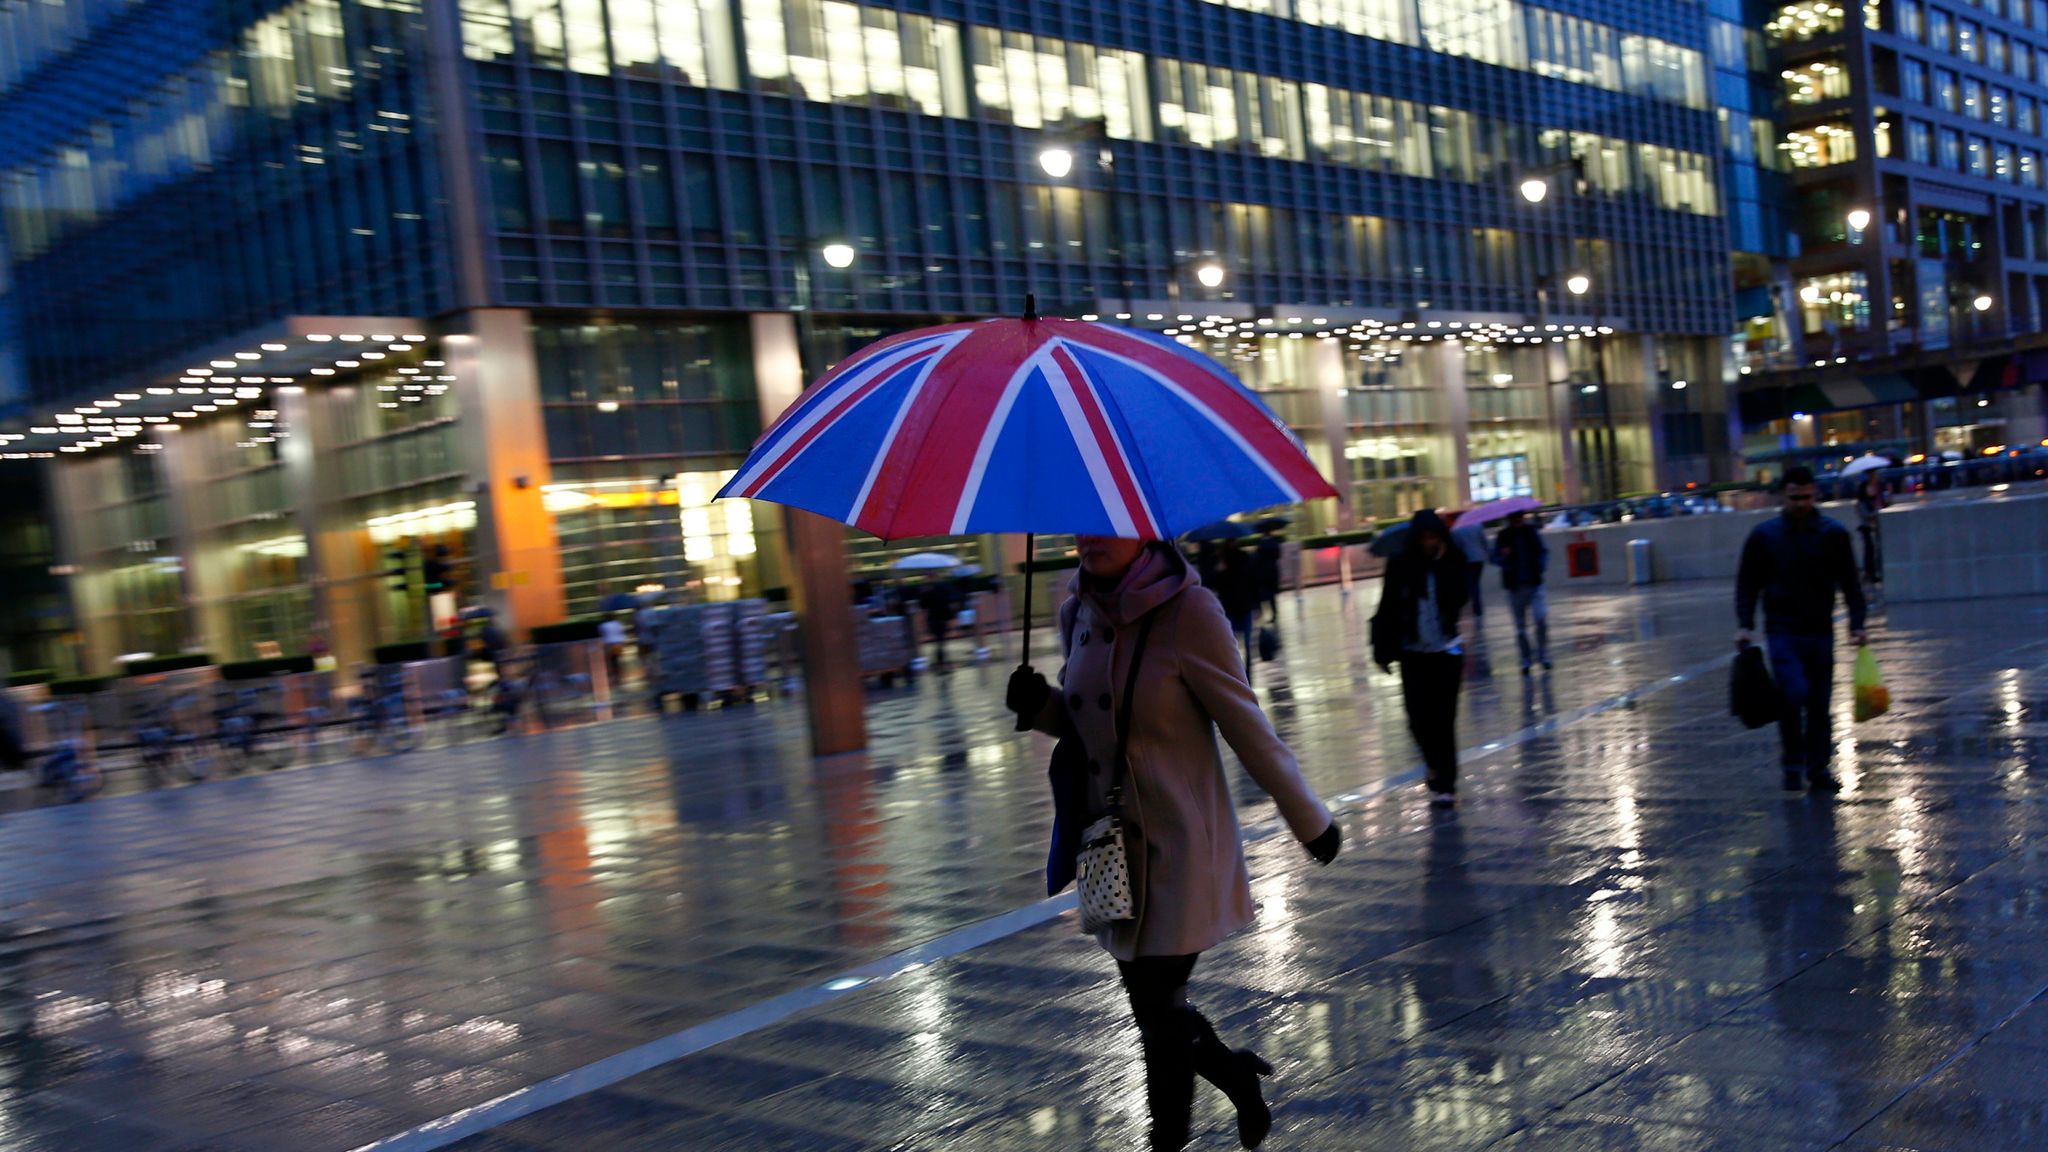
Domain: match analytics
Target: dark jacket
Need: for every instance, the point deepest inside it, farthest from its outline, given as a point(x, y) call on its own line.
point(1235, 585)
point(1795, 569)
point(1267, 564)
point(1394, 625)
point(1520, 552)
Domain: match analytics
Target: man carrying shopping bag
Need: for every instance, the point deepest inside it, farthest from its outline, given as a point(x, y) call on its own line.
point(1794, 563)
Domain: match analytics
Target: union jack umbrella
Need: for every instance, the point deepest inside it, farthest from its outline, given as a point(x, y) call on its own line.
point(1028, 425)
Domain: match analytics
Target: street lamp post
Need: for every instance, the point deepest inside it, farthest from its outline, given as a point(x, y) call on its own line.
point(1535, 189)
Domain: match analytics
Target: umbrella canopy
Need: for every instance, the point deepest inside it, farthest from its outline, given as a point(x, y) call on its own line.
point(926, 562)
point(1391, 540)
point(1220, 530)
point(1271, 523)
point(1862, 464)
point(1498, 510)
point(1031, 425)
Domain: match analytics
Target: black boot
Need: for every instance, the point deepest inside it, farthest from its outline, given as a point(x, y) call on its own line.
point(1236, 1075)
point(1169, 1084)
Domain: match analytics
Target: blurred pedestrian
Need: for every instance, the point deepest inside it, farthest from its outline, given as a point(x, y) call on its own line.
point(1793, 564)
point(1471, 541)
point(1150, 658)
point(612, 634)
point(1416, 626)
point(1269, 551)
point(940, 606)
point(1871, 500)
point(1520, 552)
point(1237, 587)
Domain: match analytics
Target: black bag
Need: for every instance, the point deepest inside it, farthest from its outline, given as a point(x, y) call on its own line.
point(1269, 644)
point(1752, 694)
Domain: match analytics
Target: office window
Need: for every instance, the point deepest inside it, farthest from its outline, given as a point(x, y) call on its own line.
point(1805, 20)
point(1881, 137)
point(1969, 41)
point(1977, 157)
point(2024, 117)
point(1911, 24)
point(1973, 99)
point(1652, 67)
point(1913, 81)
point(2002, 163)
point(1820, 146)
point(1374, 132)
point(1380, 19)
point(2030, 168)
point(1949, 149)
point(1919, 142)
point(2022, 61)
point(1038, 81)
point(1815, 83)
point(1994, 50)
point(1836, 302)
point(687, 39)
point(1578, 50)
point(1947, 93)
point(1940, 30)
point(2001, 106)
point(1485, 30)
point(835, 52)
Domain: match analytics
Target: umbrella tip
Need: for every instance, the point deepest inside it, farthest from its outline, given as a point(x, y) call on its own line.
point(1031, 306)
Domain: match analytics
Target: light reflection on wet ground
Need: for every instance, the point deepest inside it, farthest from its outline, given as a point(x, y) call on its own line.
point(1628, 938)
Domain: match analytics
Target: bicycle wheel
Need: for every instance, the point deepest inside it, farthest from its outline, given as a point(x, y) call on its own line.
point(399, 733)
point(82, 780)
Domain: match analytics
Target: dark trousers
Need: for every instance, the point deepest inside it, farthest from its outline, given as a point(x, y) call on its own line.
point(1475, 573)
point(1804, 667)
point(1429, 690)
point(1873, 554)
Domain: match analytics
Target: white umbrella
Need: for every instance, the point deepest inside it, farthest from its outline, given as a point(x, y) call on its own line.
point(1864, 464)
point(925, 562)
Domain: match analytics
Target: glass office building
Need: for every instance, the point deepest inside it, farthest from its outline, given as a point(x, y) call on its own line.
point(1915, 299)
point(522, 279)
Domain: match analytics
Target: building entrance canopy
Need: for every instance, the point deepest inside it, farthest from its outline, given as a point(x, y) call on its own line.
point(291, 352)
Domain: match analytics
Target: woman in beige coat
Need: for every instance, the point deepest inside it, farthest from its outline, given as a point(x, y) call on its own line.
point(1187, 856)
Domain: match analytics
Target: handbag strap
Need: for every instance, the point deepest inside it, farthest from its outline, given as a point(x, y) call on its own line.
point(1123, 717)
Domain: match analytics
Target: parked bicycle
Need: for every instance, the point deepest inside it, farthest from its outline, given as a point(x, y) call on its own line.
point(529, 683)
point(377, 715)
point(251, 736)
point(168, 746)
point(69, 765)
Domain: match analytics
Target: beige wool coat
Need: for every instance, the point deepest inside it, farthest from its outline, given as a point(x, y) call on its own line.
point(1192, 887)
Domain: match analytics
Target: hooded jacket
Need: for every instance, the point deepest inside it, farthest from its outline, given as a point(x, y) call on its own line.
point(1190, 879)
point(1395, 625)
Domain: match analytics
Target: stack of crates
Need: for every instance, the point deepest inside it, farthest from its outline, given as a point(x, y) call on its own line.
point(707, 650)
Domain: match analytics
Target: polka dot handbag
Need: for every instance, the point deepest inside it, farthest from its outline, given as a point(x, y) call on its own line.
point(1103, 876)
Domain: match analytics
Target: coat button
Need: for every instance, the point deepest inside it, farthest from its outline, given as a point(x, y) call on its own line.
point(1103, 701)
point(1084, 638)
point(1074, 702)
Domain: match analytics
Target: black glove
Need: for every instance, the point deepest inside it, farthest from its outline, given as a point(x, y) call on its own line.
point(1324, 847)
point(1027, 695)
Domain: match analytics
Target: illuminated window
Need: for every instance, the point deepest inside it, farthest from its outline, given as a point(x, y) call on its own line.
point(1485, 30)
point(1805, 20)
point(1837, 302)
point(1818, 82)
point(1037, 82)
point(1820, 146)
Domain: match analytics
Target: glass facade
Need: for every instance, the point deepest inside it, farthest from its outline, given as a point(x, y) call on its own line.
point(640, 182)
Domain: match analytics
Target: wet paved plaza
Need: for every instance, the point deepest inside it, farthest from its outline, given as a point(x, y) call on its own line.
point(1626, 938)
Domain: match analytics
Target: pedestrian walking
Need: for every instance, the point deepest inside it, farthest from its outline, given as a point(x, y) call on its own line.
point(1267, 555)
point(1793, 564)
point(1236, 585)
point(1416, 626)
point(940, 606)
point(1471, 541)
point(1871, 500)
point(613, 635)
point(1150, 659)
point(1522, 557)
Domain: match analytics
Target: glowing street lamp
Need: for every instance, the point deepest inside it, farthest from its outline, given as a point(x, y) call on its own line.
point(1578, 284)
point(1057, 162)
point(838, 255)
point(1981, 303)
point(1210, 274)
point(1859, 220)
point(1534, 190)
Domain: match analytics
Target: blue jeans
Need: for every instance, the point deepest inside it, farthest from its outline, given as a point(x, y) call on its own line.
point(1527, 602)
point(1804, 667)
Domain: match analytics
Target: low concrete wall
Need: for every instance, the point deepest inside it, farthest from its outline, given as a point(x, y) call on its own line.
point(1997, 546)
point(1704, 547)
